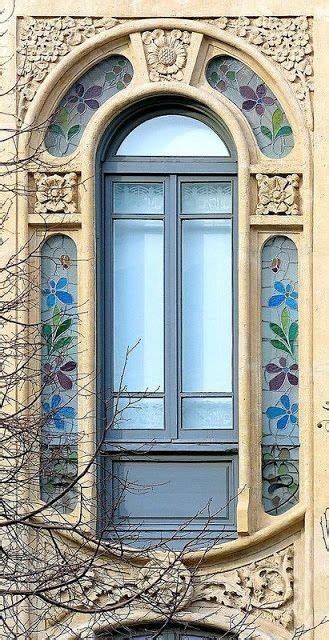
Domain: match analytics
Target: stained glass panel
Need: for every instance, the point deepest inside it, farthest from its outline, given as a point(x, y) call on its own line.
point(59, 367)
point(280, 441)
point(240, 84)
point(134, 197)
point(81, 101)
point(206, 197)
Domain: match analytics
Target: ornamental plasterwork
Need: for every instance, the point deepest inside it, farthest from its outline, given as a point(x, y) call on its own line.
point(166, 582)
point(55, 193)
point(43, 42)
point(278, 194)
point(166, 53)
point(262, 588)
point(287, 41)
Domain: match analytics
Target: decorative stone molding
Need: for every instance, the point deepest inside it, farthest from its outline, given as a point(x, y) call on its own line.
point(55, 193)
point(278, 194)
point(166, 53)
point(166, 582)
point(287, 41)
point(43, 42)
point(262, 588)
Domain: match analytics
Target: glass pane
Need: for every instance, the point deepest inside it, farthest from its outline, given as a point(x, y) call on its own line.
point(207, 413)
point(172, 135)
point(138, 303)
point(207, 305)
point(142, 413)
point(280, 374)
point(206, 197)
point(132, 197)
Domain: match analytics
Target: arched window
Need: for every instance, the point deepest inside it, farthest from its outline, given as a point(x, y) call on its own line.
point(175, 633)
point(166, 274)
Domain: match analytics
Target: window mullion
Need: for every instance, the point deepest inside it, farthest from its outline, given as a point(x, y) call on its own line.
point(171, 363)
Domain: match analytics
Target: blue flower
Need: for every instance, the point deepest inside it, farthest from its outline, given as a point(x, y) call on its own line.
point(58, 413)
point(55, 291)
point(286, 413)
point(287, 294)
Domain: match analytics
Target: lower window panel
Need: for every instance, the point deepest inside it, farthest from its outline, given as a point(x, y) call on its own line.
point(176, 499)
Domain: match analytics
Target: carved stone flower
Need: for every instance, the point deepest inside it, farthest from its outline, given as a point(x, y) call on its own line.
point(277, 194)
point(55, 193)
point(166, 53)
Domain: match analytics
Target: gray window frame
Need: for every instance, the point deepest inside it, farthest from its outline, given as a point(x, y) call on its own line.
point(171, 170)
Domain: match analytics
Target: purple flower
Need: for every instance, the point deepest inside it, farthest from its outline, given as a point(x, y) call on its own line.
point(255, 99)
point(57, 413)
point(282, 372)
point(85, 98)
point(55, 291)
point(286, 413)
point(58, 370)
point(287, 294)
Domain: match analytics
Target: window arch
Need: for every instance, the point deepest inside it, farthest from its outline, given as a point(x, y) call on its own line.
point(166, 274)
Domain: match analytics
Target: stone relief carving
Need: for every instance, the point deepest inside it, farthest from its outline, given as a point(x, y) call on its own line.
point(278, 194)
point(43, 42)
point(286, 40)
point(166, 53)
point(263, 587)
point(55, 193)
point(167, 582)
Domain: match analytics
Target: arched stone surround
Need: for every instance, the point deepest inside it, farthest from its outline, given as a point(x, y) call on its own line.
point(260, 536)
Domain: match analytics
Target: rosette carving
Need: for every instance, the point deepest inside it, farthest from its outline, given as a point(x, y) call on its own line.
point(277, 194)
point(55, 193)
point(166, 53)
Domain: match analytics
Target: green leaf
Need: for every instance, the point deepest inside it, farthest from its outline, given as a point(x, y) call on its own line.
point(73, 131)
point(284, 131)
point(267, 457)
point(277, 344)
point(293, 488)
point(266, 132)
point(277, 120)
point(63, 327)
point(61, 343)
point(293, 333)
point(109, 76)
point(285, 319)
point(63, 117)
point(56, 130)
point(278, 331)
point(283, 469)
point(120, 85)
point(231, 75)
point(47, 330)
point(56, 315)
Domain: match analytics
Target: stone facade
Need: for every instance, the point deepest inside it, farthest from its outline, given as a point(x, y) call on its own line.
point(274, 574)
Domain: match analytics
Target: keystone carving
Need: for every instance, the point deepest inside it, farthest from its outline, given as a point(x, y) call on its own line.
point(43, 42)
point(262, 588)
point(166, 53)
point(277, 194)
point(287, 41)
point(55, 193)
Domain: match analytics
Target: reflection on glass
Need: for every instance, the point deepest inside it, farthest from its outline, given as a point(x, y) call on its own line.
point(138, 303)
point(134, 197)
point(207, 413)
point(206, 305)
point(172, 135)
point(206, 197)
point(140, 413)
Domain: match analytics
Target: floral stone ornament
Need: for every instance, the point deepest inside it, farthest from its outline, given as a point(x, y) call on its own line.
point(166, 53)
point(277, 194)
point(55, 193)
